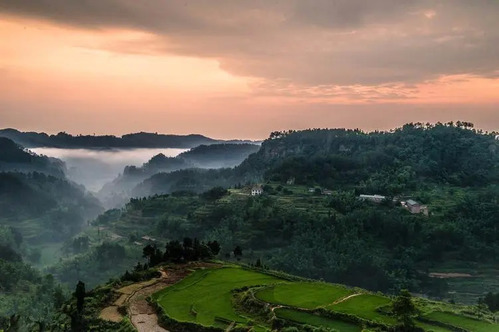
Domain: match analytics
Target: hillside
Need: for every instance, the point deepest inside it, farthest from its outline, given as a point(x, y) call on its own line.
point(316, 225)
point(224, 296)
point(117, 192)
point(135, 140)
point(14, 158)
point(391, 163)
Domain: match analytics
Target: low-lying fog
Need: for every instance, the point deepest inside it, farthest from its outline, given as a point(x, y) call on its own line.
point(94, 168)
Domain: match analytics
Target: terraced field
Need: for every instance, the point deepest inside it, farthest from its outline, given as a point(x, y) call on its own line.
point(232, 296)
point(462, 322)
point(365, 306)
point(205, 296)
point(314, 320)
point(309, 295)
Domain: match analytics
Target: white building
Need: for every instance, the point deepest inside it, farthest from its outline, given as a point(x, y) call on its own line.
point(256, 191)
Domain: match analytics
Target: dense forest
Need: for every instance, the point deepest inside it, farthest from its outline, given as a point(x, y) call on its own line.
point(405, 159)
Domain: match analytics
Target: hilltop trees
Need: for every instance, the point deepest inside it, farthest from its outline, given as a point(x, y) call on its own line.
point(177, 252)
point(404, 310)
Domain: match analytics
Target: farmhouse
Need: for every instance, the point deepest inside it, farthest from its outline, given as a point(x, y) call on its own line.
point(327, 192)
point(415, 207)
point(256, 190)
point(372, 198)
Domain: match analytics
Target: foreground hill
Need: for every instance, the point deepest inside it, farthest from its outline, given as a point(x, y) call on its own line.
point(202, 296)
point(136, 140)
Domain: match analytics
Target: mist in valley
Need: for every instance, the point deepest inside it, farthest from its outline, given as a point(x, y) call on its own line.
point(93, 168)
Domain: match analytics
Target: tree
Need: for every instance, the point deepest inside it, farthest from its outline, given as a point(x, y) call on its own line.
point(148, 252)
point(214, 247)
point(80, 296)
point(404, 309)
point(238, 252)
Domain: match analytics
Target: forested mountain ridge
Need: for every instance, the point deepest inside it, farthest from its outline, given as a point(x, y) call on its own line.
point(388, 162)
point(452, 153)
point(135, 140)
point(14, 158)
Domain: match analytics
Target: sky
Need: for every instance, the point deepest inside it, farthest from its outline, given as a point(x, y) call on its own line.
point(241, 69)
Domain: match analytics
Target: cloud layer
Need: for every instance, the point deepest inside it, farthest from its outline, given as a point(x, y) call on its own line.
point(300, 43)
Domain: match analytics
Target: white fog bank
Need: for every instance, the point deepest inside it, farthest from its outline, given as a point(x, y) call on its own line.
point(94, 168)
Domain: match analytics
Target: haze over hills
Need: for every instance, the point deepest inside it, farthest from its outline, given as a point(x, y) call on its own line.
point(214, 156)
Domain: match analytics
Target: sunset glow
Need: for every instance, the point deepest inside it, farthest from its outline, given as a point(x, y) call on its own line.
point(165, 79)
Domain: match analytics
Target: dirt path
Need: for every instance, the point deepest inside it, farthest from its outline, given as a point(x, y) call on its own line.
point(343, 299)
point(142, 315)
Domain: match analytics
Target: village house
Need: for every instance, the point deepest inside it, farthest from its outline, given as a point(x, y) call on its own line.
point(290, 181)
point(256, 190)
point(372, 198)
point(415, 207)
point(327, 192)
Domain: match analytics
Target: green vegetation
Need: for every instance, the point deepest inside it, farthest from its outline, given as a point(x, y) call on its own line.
point(364, 306)
point(237, 297)
point(469, 324)
point(314, 320)
point(206, 295)
point(308, 295)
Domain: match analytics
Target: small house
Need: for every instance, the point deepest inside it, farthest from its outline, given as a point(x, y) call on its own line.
point(311, 190)
point(290, 181)
point(256, 190)
point(327, 192)
point(415, 207)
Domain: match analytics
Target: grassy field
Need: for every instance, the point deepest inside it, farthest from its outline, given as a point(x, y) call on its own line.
point(309, 295)
point(314, 320)
point(463, 322)
point(364, 306)
point(208, 293)
point(206, 297)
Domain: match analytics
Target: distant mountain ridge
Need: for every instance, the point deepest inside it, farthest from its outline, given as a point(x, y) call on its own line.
point(134, 140)
point(14, 158)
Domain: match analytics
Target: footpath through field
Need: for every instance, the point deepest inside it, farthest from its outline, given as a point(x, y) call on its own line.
point(142, 315)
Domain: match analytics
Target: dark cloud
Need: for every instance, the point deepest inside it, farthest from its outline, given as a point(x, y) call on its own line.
point(313, 43)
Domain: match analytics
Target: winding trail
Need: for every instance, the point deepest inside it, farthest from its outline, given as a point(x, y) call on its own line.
point(134, 297)
point(142, 315)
